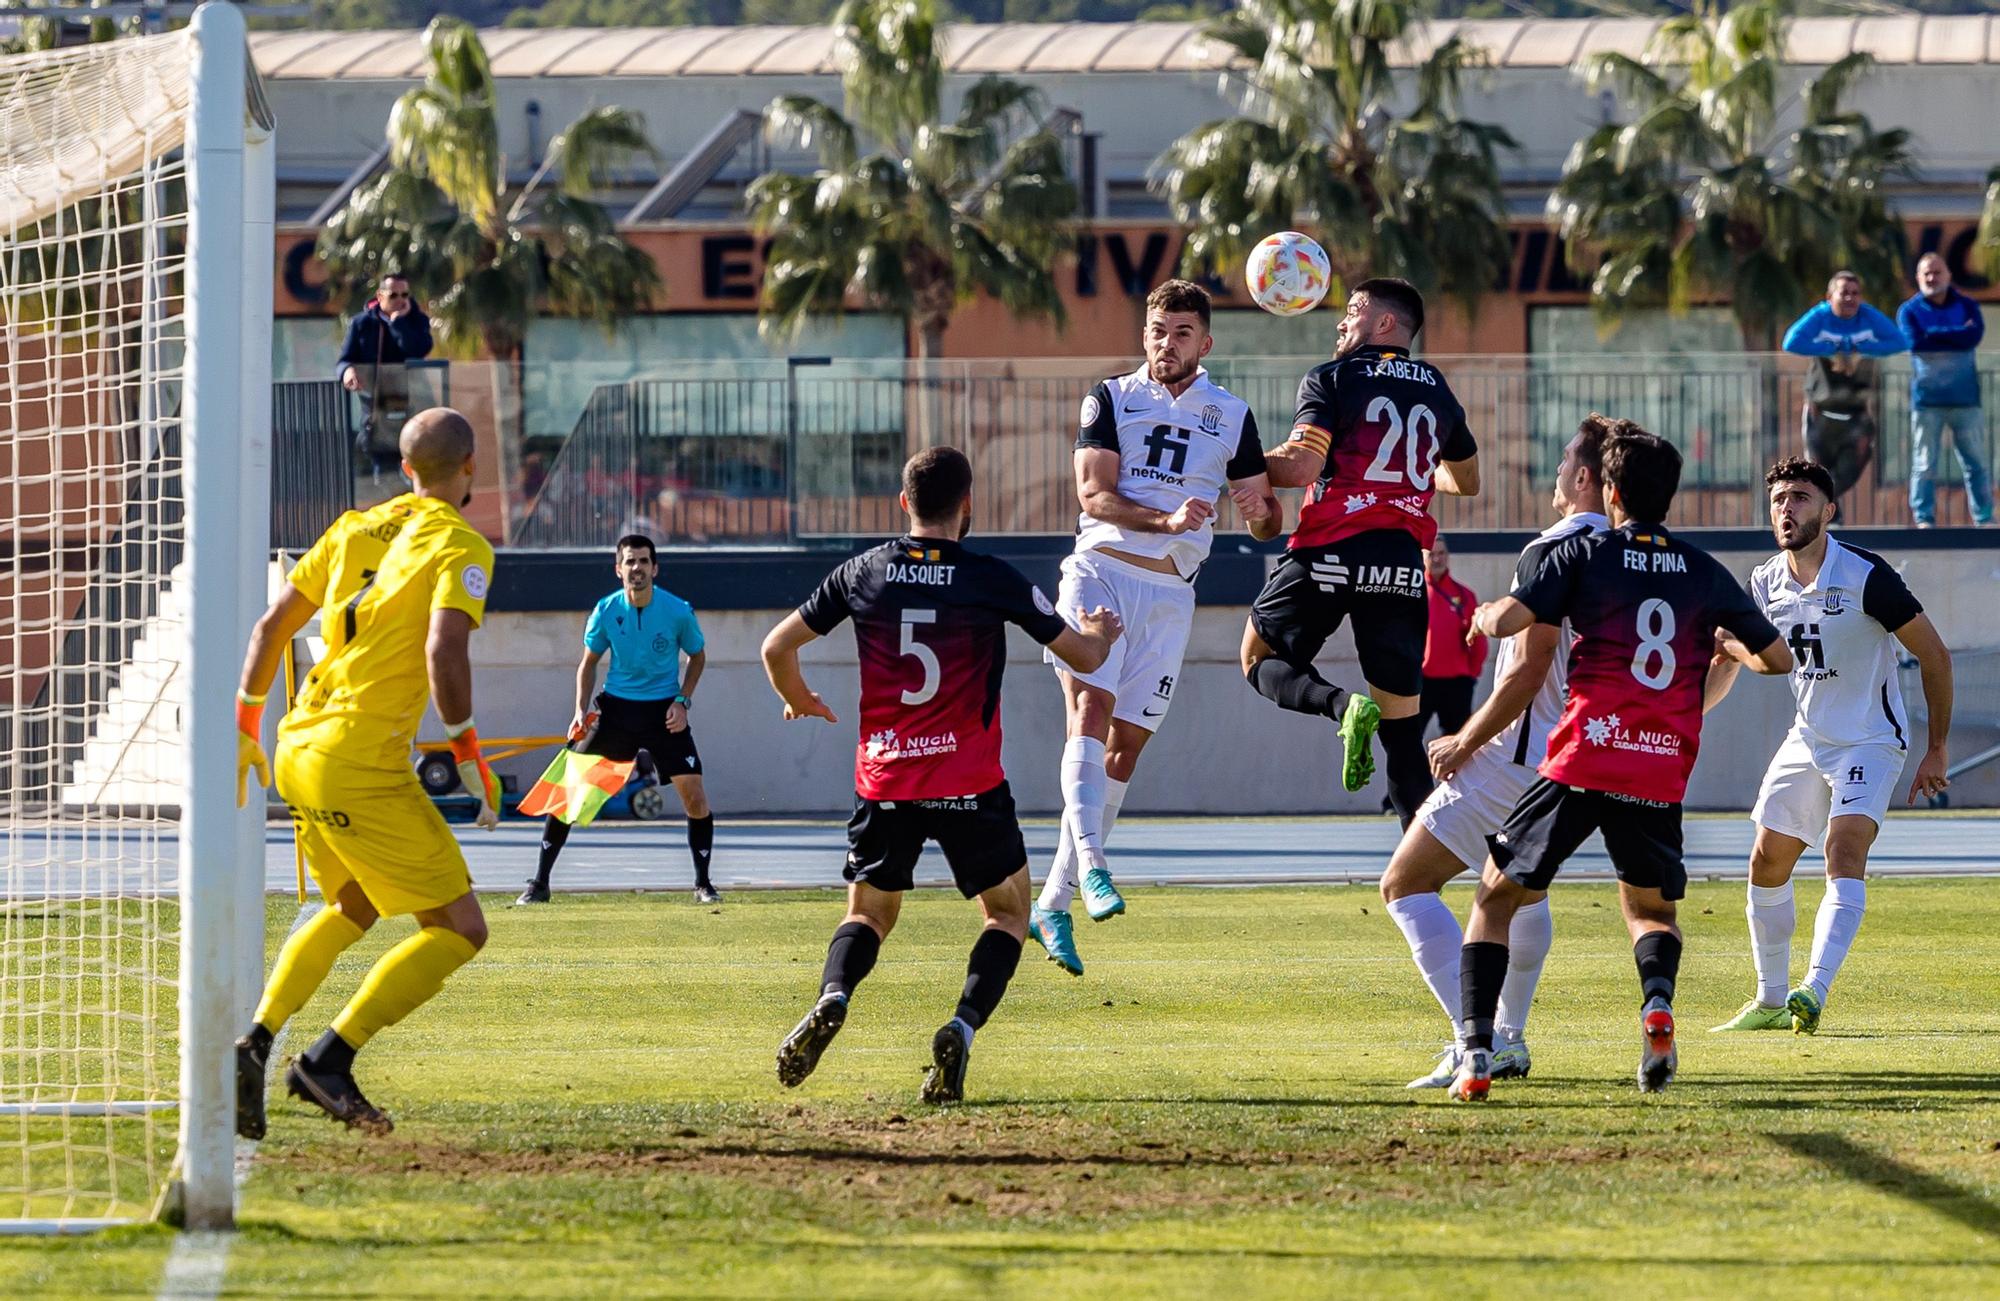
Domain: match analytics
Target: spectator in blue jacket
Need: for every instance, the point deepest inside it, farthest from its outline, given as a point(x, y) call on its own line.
point(390, 330)
point(1843, 336)
point(1944, 328)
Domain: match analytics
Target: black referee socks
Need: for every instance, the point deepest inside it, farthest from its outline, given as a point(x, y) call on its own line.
point(701, 843)
point(1406, 764)
point(1658, 954)
point(1300, 690)
point(849, 958)
point(995, 955)
point(555, 834)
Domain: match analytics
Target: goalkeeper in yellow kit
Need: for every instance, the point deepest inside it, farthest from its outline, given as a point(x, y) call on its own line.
point(402, 585)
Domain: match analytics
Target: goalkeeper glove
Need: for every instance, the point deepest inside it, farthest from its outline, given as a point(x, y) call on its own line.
point(250, 746)
point(472, 770)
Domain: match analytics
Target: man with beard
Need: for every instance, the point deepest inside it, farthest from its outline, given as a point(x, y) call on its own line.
point(1154, 451)
point(1842, 610)
point(1377, 432)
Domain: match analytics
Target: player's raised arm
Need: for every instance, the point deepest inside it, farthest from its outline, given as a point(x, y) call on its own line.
point(1097, 496)
point(1459, 478)
point(1513, 692)
point(781, 666)
point(1920, 637)
point(1301, 459)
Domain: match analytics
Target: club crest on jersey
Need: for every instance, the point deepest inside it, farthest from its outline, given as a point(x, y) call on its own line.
point(1833, 602)
point(1211, 419)
point(1610, 732)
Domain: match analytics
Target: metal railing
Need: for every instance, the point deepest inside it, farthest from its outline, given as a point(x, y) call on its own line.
point(312, 459)
point(778, 452)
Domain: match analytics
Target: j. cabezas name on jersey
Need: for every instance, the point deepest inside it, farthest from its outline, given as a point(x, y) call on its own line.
point(1384, 421)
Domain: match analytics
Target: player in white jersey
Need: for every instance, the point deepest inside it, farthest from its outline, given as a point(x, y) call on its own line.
point(1483, 771)
point(1154, 451)
point(1842, 610)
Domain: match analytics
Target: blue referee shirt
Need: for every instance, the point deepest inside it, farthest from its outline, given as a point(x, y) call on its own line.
point(645, 644)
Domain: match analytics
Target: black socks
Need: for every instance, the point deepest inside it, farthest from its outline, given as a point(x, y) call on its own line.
point(849, 958)
point(1407, 765)
point(555, 834)
point(1658, 954)
point(995, 955)
point(701, 843)
point(1482, 969)
point(331, 1053)
point(1301, 690)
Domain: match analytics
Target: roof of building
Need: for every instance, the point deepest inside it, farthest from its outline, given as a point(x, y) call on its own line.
point(1056, 48)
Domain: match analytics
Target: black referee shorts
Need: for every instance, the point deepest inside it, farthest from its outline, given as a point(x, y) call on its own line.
point(1643, 837)
point(625, 727)
point(1376, 577)
point(979, 834)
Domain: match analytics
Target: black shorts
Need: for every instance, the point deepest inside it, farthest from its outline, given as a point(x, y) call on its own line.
point(1376, 577)
point(1552, 821)
point(625, 727)
point(979, 834)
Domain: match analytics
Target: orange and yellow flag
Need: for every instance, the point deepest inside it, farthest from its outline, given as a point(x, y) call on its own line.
point(576, 786)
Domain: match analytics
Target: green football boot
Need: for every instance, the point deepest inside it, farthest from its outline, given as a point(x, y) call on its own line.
point(1755, 1016)
point(1357, 739)
point(1805, 1007)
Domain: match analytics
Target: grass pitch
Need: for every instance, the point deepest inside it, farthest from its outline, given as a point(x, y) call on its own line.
point(590, 1109)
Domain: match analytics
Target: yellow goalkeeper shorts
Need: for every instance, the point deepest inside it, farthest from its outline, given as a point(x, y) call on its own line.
point(374, 828)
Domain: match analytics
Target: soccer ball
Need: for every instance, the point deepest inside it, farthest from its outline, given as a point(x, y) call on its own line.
point(1287, 274)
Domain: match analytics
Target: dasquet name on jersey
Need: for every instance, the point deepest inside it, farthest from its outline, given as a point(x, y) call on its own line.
point(1385, 421)
point(1841, 629)
point(1643, 606)
point(930, 629)
point(1169, 449)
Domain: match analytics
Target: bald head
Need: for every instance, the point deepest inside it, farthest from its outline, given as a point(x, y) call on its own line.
point(436, 443)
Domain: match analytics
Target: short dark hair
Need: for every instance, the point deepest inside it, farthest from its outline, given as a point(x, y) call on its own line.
point(937, 481)
point(635, 541)
point(1180, 296)
point(1591, 435)
point(1645, 469)
point(1797, 469)
point(1400, 296)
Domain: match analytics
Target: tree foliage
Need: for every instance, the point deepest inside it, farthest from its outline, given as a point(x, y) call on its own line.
point(911, 211)
point(1390, 176)
point(435, 213)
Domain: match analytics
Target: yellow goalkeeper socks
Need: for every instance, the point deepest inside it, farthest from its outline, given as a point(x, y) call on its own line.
point(402, 980)
point(303, 963)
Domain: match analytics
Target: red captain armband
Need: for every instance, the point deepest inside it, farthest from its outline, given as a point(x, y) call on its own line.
point(250, 714)
point(1312, 438)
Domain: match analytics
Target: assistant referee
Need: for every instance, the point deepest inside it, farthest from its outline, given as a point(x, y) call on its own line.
point(643, 709)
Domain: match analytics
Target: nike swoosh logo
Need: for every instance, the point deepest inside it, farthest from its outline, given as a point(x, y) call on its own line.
point(1851, 798)
point(1152, 713)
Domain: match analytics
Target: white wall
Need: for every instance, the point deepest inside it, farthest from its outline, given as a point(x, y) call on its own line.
point(1224, 749)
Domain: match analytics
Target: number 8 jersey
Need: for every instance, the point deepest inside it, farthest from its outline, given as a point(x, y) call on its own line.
point(930, 630)
point(1643, 607)
point(1384, 421)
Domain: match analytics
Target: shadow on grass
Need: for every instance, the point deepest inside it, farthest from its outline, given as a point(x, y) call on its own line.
point(1890, 1175)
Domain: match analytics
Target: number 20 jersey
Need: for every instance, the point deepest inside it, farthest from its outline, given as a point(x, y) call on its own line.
point(1643, 607)
point(1169, 449)
point(930, 629)
point(1384, 421)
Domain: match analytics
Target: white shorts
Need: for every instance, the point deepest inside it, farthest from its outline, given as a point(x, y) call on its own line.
point(1144, 664)
point(1805, 788)
point(1475, 803)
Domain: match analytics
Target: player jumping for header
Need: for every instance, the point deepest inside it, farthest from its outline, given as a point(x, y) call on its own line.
point(1644, 606)
point(930, 621)
point(1154, 451)
point(1376, 434)
point(1843, 610)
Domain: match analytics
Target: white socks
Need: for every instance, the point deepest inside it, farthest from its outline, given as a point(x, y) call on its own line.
point(1083, 782)
point(1773, 918)
point(1064, 874)
point(1435, 939)
point(1833, 931)
point(1528, 941)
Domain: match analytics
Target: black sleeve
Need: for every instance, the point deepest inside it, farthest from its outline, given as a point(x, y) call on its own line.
point(1021, 602)
point(1097, 423)
point(1736, 610)
point(1458, 443)
point(831, 601)
point(1248, 462)
point(1887, 600)
point(1552, 587)
point(1528, 563)
point(1316, 400)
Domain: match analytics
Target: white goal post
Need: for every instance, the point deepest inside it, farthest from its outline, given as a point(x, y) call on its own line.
point(136, 205)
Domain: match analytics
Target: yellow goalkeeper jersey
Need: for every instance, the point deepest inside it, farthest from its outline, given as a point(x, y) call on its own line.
point(376, 576)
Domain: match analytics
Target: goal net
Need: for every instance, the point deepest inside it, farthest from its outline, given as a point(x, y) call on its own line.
point(132, 531)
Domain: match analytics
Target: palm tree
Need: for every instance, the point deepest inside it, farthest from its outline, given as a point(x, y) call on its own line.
point(934, 211)
point(1321, 146)
point(435, 214)
point(1689, 199)
point(1986, 242)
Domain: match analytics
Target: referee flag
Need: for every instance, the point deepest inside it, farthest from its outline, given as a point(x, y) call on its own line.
point(576, 786)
